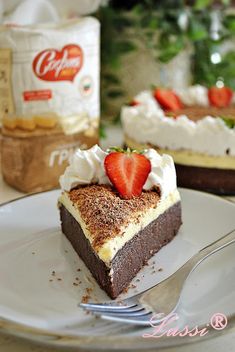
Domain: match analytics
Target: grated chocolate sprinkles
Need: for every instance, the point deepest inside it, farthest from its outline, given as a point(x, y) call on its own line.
point(104, 212)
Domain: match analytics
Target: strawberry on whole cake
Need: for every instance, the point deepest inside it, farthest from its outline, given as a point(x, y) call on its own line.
point(118, 208)
point(195, 125)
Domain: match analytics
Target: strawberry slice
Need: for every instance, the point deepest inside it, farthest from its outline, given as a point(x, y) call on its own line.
point(168, 99)
point(220, 97)
point(128, 172)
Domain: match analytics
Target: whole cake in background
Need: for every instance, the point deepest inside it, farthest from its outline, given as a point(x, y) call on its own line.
point(50, 105)
point(117, 209)
point(195, 125)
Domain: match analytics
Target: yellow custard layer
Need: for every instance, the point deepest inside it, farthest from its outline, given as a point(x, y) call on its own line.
point(189, 158)
point(109, 249)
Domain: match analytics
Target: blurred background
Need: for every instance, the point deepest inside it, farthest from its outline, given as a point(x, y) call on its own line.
point(164, 43)
point(147, 43)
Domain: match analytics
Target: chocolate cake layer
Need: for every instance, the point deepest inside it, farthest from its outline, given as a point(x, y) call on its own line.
point(218, 181)
point(196, 113)
point(131, 257)
point(105, 213)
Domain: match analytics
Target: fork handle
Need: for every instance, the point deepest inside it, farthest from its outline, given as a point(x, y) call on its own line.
point(164, 297)
point(214, 247)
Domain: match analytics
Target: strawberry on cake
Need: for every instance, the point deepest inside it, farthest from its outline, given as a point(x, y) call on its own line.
point(117, 209)
point(195, 125)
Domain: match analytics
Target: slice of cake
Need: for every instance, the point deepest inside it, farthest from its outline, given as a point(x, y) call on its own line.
point(117, 209)
point(196, 126)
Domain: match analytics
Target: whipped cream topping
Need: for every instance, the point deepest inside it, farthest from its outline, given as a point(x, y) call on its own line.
point(146, 101)
point(194, 95)
point(150, 126)
point(162, 173)
point(87, 167)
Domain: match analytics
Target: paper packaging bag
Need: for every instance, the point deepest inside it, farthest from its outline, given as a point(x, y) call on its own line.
point(49, 99)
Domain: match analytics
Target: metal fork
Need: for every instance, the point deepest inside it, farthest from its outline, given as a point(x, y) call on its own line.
point(163, 298)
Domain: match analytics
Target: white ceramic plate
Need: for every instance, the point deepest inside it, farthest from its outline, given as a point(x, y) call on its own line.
point(43, 306)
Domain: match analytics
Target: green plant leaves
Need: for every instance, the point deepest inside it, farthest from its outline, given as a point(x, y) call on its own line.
point(197, 30)
point(201, 4)
point(111, 78)
point(229, 23)
point(230, 123)
point(155, 23)
point(205, 72)
point(125, 46)
point(170, 49)
point(102, 131)
point(115, 93)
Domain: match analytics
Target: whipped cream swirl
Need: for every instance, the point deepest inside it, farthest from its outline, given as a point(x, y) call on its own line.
point(194, 95)
point(87, 167)
point(163, 174)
